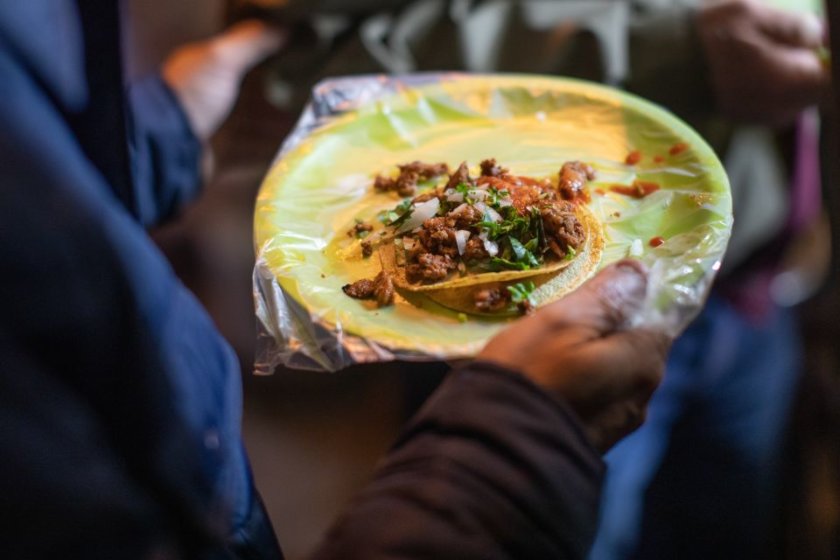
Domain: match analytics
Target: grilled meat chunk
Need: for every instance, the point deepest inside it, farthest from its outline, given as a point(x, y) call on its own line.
point(380, 289)
point(573, 178)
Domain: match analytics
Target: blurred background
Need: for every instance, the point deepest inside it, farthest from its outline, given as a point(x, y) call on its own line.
point(325, 432)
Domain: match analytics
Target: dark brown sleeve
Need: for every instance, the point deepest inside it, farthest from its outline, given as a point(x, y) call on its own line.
point(491, 468)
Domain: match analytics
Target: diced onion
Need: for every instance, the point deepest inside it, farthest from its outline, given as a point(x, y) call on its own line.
point(477, 194)
point(494, 216)
point(636, 249)
point(491, 247)
point(481, 207)
point(505, 202)
point(454, 196)
point(459, 210)
point(422, 212)
point(461, 238)
point(409, 243)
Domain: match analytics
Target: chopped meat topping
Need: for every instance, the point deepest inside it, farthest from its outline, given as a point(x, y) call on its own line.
point(562, 228)
point(461, 175)
point(438, 236)
point(525, 197)
point(406, 184)
point(380, 288)
point(383, 289)
point(490, 169)
point(525, 307)
point(466, 216)
point(424, 170)
point(430, 268)
point(573, 178)
point(384, 183)
point(360, 229)
point(367, 249)
point(474, 250)
point(492, 300)
point(361, 289)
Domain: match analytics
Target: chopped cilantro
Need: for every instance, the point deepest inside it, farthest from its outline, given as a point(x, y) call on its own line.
point(533, 245)
point(570, 253)
point(398, 215)
point(495, 195)
point(515, 225)
point(463, 188)
point(522, 254)
point(499, 263)
point(521, 292)
point(519, 250)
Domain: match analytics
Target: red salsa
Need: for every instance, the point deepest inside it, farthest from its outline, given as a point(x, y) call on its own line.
point(633, 157)
point(639, 189)
point(678, 148)
point(656, 241)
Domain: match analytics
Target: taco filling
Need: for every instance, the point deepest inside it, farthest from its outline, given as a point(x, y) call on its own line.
point(467, 243)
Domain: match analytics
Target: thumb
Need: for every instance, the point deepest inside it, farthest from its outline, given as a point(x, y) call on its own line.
point(605, 303)
point(796, 30)
point(247, 43)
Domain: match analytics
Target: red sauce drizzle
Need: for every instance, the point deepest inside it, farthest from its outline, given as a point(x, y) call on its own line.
point(600, 192)
point(639, 189)
point(633, 157)
point(678, 148)
point(582, 196)
point(658, 159)
point(656, 241)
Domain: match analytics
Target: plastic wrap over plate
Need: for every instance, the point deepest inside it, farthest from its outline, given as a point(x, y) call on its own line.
point(357, 127)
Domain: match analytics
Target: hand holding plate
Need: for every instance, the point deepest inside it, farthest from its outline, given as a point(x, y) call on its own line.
point(582, 350)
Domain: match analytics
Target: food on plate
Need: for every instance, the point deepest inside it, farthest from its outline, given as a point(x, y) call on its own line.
point(380, 289)
point(494, 244)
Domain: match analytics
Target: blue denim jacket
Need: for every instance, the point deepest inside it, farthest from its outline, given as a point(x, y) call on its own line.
point(95, 327)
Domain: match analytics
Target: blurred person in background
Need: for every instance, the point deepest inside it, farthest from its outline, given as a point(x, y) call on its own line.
point(120, 403)
point(743, 73)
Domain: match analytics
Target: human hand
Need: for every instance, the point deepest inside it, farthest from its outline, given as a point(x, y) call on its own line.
point(581, 350)
point(763, 61)
point(205, 76)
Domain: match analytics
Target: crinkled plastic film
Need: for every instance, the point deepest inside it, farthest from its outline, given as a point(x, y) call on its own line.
point(357, 127)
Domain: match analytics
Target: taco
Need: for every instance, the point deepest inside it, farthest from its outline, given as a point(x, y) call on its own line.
point(495, 244)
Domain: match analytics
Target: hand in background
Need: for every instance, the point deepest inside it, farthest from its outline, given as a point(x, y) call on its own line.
point(205, 76)
point(763, 61)
point(580, 350)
